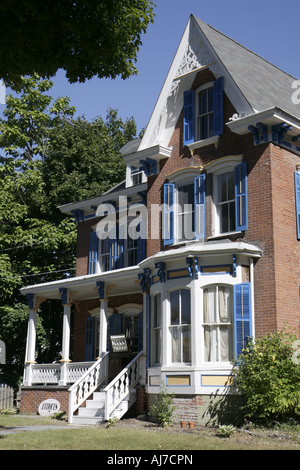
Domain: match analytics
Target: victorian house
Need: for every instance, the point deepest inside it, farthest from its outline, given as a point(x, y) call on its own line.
point(195, 252)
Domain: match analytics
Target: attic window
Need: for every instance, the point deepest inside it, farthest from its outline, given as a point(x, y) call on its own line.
point(203, 113)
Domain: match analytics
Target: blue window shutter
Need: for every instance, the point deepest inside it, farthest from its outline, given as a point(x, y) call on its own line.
point(218, 106)
point(242, 316)
point(199, 191)
point(188, 117)
point(297, 193)
point(168, 221)
point(140, 331)
point(89, 338)
point(141, 249)
point(93, 253)
point(241, 211)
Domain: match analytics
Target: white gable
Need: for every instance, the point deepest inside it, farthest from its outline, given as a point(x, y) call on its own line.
point(194, 52)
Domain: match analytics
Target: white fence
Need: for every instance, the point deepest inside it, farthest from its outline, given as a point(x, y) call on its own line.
point(6, 397)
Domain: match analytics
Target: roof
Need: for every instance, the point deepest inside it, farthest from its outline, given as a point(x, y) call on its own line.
point(263, 84)
point(251, 83)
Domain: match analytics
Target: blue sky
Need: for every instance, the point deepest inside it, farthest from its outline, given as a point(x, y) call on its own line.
point(268, 27)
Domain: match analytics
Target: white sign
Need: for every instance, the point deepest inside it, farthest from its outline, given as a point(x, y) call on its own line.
point(49, 407)
point(119, 343)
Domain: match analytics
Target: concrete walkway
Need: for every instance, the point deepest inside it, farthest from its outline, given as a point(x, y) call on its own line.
point(38, 427)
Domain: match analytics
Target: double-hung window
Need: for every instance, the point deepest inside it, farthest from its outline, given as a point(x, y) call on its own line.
point(230, 199)
point(218, 324)
point(180, 325)
point(227, 321)
point(203, 112)
point(156, 329)
point(184, 211)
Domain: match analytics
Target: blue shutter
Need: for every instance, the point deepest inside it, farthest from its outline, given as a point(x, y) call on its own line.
point(89, 338)
point(140, 331)
point(188, 117)
point(297, 193)
point(199, 191)
point(241, 212)
point(93, 253)
point(218, 106)
point(168, 221)
point(242, 316)
point(141, 249)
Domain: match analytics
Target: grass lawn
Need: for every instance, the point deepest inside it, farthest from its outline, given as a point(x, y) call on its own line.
point(123, 437)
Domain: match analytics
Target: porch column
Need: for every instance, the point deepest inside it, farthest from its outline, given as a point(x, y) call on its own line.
point(103, 319)
point(65, 352)
point(34, 303)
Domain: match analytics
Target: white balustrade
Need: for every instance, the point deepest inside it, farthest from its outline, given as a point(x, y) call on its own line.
point(119, 388)
point(51, 373)
point(87, 384)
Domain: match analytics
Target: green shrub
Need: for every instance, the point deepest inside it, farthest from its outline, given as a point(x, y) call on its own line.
point(226, 430)
point(269, 379)
point(163, 409)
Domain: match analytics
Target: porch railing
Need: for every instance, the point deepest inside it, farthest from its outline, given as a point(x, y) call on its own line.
point(119, 388)
point(54, 374)
point(80, 391)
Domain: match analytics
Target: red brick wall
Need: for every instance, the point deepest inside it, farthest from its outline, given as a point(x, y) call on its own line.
point(32, 397)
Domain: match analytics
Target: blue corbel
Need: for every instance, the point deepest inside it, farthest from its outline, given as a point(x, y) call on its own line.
point(255, 134)
point(161, 271)
point(196, 267)
point(234, 265)
point(145, 279)
point(148, 166)
point(30, 300)
point(101, 289)
point(64, 295)
point(264, 131)
point(279, 131)
point(78, 215)
point(189, 262)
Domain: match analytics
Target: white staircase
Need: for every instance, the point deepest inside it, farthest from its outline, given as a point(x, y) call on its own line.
point(88, 404)
point(94, 410)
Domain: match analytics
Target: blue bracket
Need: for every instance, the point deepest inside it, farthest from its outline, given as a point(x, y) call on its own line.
point(279, 131)
point(64, 295)
point(149, 166)
point(101, 289)
point(161, 271)
point(264, 131)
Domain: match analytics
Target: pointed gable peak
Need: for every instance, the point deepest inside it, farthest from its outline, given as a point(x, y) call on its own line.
point(251, 83)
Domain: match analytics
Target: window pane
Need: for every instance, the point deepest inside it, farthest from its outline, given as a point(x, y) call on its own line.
point(231, 217)
point(185, 307)
point(175, 345)
point(203, 102)
point(174, 298)
point(210, 103)
point(231, 184)
point(157, 310)
point(186, 344)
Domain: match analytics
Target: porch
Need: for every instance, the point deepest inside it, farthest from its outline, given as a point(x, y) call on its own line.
point(92, 390)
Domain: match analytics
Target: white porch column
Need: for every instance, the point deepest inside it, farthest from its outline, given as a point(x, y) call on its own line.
point(65, 352)
point(103, 328)
point(103, 318)
point(34, 303)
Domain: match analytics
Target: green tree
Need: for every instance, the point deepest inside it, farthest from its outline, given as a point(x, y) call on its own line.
point(83, 158)
point(47, 158)
point(269, 379)
point(85, 38)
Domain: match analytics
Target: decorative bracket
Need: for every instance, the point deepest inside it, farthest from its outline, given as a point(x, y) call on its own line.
point(145, 279)
point(149, 166)
point(160, 266)
point(190, 262)
point(101, 289)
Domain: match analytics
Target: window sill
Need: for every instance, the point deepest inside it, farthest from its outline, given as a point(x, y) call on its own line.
point(202, 143)
point(225, 235)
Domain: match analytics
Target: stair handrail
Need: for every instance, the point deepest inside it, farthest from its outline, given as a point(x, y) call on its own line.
point(80, 391)
point(120, 386)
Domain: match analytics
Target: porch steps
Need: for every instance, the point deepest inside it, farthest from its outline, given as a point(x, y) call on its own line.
point(93, 411)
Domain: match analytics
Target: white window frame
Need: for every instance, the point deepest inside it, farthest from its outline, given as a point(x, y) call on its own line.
point(179, 328)
point(156, 333)
point(215, 337)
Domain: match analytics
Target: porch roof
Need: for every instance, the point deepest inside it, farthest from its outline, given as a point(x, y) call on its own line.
point(119, 281)
point(212, 248)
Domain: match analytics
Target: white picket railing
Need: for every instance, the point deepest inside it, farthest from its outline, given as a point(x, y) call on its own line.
point(119, 388)
point(80, 391)
point(6, 397)
point(55, 374)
